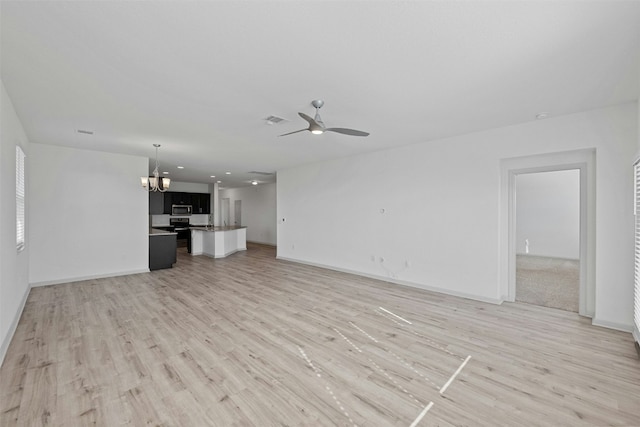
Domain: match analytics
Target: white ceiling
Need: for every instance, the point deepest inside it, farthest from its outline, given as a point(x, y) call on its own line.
point(201, 77)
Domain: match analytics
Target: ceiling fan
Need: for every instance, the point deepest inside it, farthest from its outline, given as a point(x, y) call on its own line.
point(317, 127)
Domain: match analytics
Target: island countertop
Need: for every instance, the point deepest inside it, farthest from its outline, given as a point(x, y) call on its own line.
point(217, 228)
point(157, 232)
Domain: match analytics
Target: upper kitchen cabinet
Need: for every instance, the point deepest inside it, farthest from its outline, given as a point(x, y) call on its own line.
point(160, 203)
point(156, 203)
point(201, 203)
point(167, 203)
point(181, 198)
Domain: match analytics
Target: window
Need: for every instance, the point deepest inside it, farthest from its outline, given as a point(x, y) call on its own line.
point(636, 211)
point(20, 196)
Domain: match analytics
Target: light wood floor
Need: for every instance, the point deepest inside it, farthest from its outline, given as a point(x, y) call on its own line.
point(252, 341)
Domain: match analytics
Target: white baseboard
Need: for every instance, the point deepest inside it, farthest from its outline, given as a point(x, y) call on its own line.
point(14, 324)
point(81, 278)
point(263, 243)
point(612, 325)
point(231, 252)
point(400, 282)
point(218, 256)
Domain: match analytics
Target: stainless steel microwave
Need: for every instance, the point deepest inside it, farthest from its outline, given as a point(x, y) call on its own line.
point(181, 209)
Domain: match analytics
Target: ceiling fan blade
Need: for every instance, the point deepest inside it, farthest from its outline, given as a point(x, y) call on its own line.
point(351, 132)
point(315, 125)
point(309, 119)
point(295, 131)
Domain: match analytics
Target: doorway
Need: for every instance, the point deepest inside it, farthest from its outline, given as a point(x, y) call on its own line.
point(548, 238)
point(510, 169)
point(224, 211)
point(237, 212)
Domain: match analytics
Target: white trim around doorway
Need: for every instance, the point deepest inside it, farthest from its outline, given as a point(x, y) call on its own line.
point(584, 160)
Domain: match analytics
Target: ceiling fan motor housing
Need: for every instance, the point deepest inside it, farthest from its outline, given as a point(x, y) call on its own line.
point(317, 126)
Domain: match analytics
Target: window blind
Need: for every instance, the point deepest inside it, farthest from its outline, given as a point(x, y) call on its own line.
point(20, 196)
point(636, 211)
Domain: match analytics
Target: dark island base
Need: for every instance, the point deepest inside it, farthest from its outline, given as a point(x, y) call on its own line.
point(162, 251)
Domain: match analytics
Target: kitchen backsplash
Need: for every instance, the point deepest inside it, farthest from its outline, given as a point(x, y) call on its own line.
point(197, 219)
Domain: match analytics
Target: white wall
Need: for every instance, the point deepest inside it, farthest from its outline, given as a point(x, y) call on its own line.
point(89, 214)
point(548, 213)
point(189, 187)
point(14, 266)
point(429, 214)
point(258, 211)
point(215, 202)
point(636, 330)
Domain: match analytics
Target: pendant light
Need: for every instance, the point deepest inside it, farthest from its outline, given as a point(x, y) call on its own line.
point(155, 182)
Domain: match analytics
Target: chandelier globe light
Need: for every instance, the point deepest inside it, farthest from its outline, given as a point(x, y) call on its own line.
point(155, 182)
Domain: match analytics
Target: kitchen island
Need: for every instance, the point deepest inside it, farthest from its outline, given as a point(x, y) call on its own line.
point(162, 249)
point(218, 242)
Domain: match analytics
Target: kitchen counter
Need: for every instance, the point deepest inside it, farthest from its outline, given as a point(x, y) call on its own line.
point(158, 232)
point(216, 228)
point(218, 242)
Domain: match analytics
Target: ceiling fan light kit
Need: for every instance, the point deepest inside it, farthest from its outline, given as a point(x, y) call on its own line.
point(317, 127)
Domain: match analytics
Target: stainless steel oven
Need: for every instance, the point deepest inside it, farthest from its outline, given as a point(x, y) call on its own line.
point(181, 226)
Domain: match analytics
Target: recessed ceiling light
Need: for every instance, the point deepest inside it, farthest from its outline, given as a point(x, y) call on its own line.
point(254, 182)
point(166, 173)
point(180, 167)
point(542, 115)
point(228, 173)
point(213, 176)
point(219, 182)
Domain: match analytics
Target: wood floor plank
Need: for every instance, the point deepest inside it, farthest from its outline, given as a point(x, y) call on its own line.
point(252, 341)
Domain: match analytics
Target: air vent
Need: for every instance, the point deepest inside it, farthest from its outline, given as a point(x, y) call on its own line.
point(261, 173)
point(273, 120)
point(85, 132)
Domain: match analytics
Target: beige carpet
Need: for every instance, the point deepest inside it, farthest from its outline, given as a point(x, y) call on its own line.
point(549, 282)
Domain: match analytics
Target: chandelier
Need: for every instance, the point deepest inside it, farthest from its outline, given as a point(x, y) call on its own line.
point(155, 182)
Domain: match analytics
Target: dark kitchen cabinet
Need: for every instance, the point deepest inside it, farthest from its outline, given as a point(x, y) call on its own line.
point(181, 198)
point(168, 201)
point(162, 251)
point(201, 203)
point(156, 203)
point(206, 201)
point(174, 198)
point(162, 202)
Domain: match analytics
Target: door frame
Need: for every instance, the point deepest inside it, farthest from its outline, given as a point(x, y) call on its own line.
point(237, 212)
point(225, 211)
point(584, 160)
